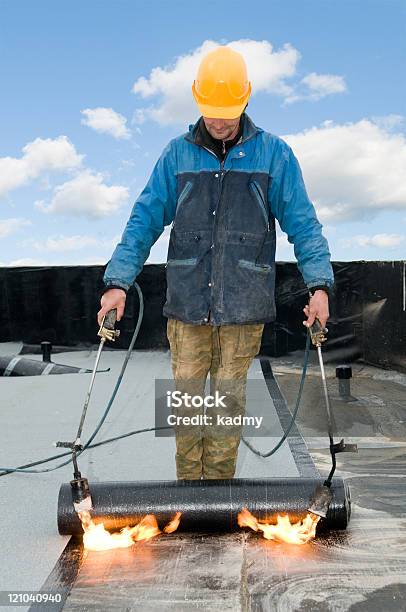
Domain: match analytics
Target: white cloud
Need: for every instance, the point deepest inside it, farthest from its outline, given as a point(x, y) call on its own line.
point(107, 121)
point(324, 84)
point(268, 70)
point(352, 171)
point(10, 226)
point(39, 156)
point(316, 86)
point(284, 250)
point(24, 261)
point(389, 122)
point(159, 250)
point(380, 241)
point(86, 195)
point(139, 116)
point(63, 243)
point(92, 260)
point(67, 260)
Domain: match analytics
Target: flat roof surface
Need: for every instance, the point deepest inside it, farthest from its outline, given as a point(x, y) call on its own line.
point(364, 567)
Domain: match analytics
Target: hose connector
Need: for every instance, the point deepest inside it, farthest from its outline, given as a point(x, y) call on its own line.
point(317, 333)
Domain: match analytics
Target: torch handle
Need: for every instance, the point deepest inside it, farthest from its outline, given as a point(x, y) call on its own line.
point(110, 319)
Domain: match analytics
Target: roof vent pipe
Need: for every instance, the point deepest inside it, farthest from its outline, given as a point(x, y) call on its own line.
point(46, 348)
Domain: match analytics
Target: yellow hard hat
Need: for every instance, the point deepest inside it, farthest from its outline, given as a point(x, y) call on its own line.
point(222, 88)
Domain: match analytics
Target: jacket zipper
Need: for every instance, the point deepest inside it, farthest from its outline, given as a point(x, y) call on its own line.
point(221, 178)
point(221, 184)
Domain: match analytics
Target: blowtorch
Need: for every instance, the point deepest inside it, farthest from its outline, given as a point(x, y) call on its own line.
point(80, 485)
point(323, 496)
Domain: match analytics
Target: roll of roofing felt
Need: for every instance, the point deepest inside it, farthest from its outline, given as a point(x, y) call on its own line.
point(206, 505)
point(21, 366)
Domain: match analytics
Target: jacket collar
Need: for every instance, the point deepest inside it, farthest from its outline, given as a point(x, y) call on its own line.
point(249, 130)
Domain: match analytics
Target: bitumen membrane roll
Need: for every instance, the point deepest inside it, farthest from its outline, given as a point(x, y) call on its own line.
point(21, 366)
point(206, 505)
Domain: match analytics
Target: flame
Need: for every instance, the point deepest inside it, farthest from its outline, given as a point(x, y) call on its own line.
point(96, 537)
point(173, 524)
point(284, 531)
point(146, 529)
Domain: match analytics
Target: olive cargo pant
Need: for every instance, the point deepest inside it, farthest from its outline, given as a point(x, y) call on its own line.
point(226, 351)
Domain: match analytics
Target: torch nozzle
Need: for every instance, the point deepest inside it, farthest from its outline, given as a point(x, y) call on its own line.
point(321, 501)
point(81, 494)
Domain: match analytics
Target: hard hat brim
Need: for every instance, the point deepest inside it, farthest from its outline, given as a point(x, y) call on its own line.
point(221, 112)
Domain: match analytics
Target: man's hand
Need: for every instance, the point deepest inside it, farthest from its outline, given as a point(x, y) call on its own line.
point(317, 307)
point(113, 298)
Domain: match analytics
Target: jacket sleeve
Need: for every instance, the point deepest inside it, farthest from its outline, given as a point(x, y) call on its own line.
point(290, 205)
point(154, 208)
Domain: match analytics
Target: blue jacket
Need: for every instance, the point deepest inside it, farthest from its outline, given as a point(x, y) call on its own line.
point(221, 257)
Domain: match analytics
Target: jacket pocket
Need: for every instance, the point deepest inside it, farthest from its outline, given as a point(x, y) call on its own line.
point(259, 196)
point(249, 340)
point(250, 265)
point(191, 261)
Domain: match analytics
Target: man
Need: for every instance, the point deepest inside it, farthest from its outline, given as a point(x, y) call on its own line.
point(221, 185)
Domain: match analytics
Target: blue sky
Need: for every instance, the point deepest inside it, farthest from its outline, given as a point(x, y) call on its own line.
point(92, 91)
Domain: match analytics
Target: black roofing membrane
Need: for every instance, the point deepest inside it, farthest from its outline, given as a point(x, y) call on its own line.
point(360, 568)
